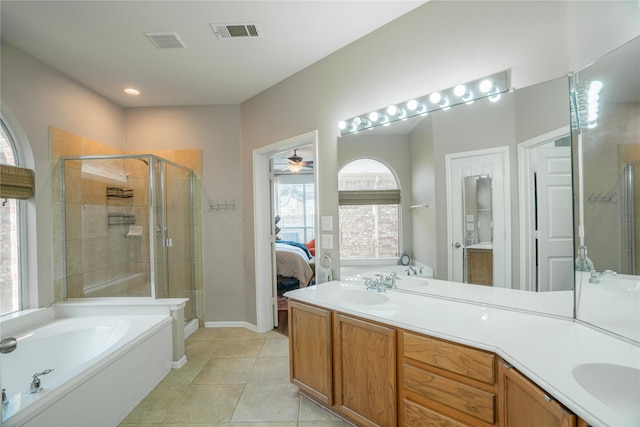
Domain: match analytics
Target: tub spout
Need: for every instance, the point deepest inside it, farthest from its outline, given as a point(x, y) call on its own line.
point(5, 399)
point(7, 345)
point(35, 382)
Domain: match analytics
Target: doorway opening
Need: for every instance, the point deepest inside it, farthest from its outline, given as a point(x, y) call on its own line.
point(269, 162)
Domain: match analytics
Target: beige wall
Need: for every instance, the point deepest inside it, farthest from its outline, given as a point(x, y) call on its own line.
point(216, 131)
point(36, 96)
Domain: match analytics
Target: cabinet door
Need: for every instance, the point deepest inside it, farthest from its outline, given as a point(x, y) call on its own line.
point(365, 371)
point(310, 350)
point(524, 404)
point(480, 266)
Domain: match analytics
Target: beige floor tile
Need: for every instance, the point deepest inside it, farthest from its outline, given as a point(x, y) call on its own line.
point(267, 402)
point(266, 424)
point(186, 374)
point(311, 411)
point(122, 424)
point(239, 348)
point(270, 371)
point(275, 348)
point(244, 333)
point(210, 333)
point(156, 405)
point(193, 425)
point(202, 348)
point(226, 371)
point(205, 404)
point(339, 423)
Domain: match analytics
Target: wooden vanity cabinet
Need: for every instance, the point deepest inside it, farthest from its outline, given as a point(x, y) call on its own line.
point(524, 404)
point(445, 384)
point(311, 351)
point(365, 371)
point(480, 266)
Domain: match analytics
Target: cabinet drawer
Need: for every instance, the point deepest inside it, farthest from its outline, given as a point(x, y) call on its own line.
point(462, 397)
point(469, 362)
point(418, 415)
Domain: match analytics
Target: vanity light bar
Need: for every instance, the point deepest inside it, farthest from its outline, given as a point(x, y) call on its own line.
point(487, 87)
point(588, 104)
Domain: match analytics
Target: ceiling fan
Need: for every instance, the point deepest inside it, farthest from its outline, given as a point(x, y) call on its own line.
point(296, 163)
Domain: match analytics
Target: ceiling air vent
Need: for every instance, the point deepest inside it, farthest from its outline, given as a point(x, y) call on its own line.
point(234, 31)
point(166, 40)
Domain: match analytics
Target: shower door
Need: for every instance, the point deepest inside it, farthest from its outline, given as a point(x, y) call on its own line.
point(172, 228)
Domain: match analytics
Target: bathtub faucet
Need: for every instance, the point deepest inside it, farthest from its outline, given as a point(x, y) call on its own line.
point(5, 399)
point(35, 382)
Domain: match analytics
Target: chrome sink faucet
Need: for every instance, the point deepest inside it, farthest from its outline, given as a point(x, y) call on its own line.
point(594, 278)
point(381, 283)
point(410, 270)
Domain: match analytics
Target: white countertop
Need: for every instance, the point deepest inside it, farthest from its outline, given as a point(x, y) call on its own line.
point(545, 349)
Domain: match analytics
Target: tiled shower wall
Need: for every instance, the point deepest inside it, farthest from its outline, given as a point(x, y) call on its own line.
point(98, 252)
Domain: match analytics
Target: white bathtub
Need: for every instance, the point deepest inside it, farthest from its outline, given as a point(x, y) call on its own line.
point(102, 366)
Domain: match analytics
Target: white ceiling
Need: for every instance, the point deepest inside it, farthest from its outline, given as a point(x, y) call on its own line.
point(101, 43)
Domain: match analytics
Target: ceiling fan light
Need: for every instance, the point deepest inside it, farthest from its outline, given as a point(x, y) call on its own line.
point(295, 167)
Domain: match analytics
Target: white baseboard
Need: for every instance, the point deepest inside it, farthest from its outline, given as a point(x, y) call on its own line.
point(237, 324)
point(190, 327)
point(180, 363)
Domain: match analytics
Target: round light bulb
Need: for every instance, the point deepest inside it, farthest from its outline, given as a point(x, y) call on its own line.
point(357, 121)
point(374, 116)
point(460, 90)
point(486, 86)
point(435, 97)
point(412, 105)
point(342, 125)
point(392, 110)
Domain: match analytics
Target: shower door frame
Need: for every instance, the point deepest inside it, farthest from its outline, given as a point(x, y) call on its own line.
point(151, 160)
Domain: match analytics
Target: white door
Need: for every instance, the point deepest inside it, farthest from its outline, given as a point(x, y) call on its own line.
point(554, 212)
point(492, 162)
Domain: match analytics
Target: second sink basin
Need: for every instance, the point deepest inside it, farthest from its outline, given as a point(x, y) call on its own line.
point(359, 297)
point(616, 386)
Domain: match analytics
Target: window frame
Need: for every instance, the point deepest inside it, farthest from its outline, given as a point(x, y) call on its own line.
point(21, 216)
point(306, 180)
point(385, 195)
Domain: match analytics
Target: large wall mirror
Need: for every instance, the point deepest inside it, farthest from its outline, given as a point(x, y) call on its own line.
point(471, 179)
point(606, 146)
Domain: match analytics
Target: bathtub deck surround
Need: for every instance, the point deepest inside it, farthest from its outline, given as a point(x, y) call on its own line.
point(233, 377)
point(576, 364)
point(96, 358)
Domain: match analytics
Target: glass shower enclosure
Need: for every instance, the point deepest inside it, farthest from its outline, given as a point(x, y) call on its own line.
point(128, 224)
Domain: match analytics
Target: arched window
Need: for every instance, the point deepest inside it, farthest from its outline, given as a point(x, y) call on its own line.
point(369, 199)
point(16, 184)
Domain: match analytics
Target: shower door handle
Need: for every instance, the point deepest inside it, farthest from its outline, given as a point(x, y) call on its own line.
point(168, 242)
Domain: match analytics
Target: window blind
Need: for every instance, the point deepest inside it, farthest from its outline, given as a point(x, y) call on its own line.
point(16, 182)
point(369, 197)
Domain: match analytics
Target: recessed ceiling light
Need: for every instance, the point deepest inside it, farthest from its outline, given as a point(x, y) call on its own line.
point(132, 91)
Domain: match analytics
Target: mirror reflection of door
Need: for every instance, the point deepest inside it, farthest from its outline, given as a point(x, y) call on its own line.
point(554, 221)
point(493, 163)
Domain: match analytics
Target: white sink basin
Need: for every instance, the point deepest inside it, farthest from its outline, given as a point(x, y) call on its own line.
point(616, 386)
point(413, 283)
point(359, 297)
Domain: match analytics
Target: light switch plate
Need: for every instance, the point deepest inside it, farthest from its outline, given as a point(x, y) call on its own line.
point(326, 223)
point(327, 241)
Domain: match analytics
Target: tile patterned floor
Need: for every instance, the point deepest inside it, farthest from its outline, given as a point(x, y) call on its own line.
point(233, 378)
